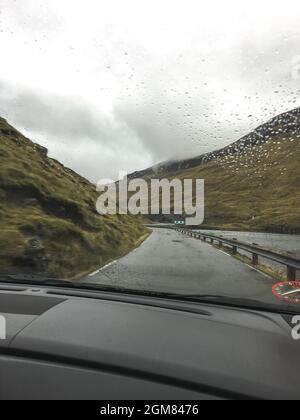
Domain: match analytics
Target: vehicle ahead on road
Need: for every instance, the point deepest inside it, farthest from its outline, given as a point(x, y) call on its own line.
point(73, 341)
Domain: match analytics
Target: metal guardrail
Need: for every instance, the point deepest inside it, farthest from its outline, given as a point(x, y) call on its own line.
point(292, 264)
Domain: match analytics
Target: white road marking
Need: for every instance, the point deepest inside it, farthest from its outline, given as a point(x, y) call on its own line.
point(94, 273)
point(136, 249)
point(250, 266)
point(102, 268)
point(261, 272)
point(113, 262)
point(223, 252)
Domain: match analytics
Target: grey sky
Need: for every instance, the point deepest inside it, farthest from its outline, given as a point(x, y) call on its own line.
point(122, 85)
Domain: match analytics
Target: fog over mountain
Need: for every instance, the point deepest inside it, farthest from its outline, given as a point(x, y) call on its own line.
point(113, 86)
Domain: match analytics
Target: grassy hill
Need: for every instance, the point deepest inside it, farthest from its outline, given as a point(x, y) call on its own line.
point(48, 220)
point(253, 184)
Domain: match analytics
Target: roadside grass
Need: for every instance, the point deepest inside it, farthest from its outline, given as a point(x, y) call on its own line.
point(269, 271)
point(138, 243)
point(257, 191)
point(40, 198)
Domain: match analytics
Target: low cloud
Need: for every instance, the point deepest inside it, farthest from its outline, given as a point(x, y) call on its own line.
point(75, 132)
point(108, 86)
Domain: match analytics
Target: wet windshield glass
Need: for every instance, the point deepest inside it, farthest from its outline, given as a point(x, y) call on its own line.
point(152, 146)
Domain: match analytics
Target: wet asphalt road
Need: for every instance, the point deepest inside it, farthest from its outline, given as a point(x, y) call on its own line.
point(171, 262)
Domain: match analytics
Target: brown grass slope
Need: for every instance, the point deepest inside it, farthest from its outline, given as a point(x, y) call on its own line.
point(254, 183)
point(48, 220)
point(258, 191)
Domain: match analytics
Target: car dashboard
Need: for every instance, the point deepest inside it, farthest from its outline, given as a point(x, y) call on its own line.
point(73, 344)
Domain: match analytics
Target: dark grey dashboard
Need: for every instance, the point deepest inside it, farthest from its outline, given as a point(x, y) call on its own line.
point(74, 345)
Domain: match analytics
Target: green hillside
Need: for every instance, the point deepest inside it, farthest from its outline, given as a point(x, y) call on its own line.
point(253, 184)
point(48, 219)
point(259, 190)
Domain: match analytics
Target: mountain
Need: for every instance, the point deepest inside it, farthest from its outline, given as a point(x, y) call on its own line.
point(252, 184)
point(283, 124)
point(48, 219)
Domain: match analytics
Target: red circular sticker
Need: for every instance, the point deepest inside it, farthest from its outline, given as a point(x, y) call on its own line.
point(288, 291)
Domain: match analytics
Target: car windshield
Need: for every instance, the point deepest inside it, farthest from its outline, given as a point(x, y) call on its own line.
point(152, 148)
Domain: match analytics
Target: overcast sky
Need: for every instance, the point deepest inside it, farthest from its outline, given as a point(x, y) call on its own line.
point(123, 84)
